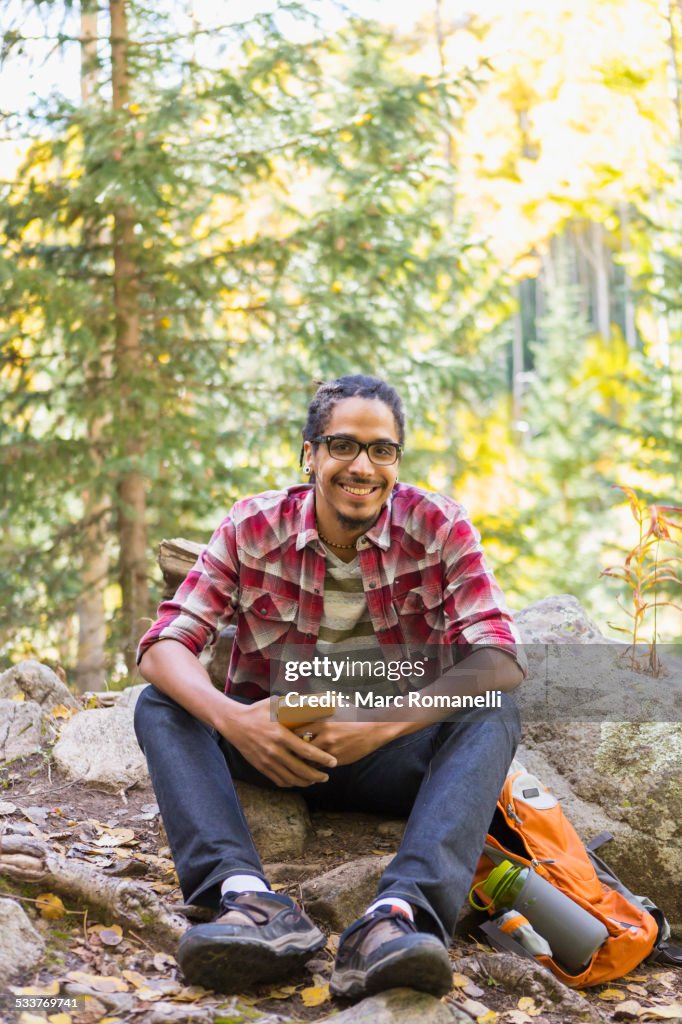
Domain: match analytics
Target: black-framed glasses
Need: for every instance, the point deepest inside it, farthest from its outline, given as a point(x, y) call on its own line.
point(346, 449)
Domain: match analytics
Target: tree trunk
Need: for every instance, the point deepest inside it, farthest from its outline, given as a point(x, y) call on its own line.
point(90, 666)
point(132, 534)
point(674, 63)
point(601, 275)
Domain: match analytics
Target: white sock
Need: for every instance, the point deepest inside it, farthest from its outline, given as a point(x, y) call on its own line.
point(244, 883)
point(392, 901)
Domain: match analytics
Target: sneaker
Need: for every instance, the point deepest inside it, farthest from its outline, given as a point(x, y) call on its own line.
point(384, 950)
point(257, 937)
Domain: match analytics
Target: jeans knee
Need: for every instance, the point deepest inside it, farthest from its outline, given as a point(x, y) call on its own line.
point(146, 713)
point(511, 717)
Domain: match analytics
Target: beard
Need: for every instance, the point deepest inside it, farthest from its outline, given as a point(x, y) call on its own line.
point(355, 522)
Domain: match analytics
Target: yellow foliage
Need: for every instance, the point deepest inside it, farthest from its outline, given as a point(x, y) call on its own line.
point(50, 906)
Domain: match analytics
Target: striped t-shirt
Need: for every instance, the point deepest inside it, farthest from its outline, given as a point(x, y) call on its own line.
point(345, 624)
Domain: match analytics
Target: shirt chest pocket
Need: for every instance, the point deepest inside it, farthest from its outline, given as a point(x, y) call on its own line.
point(420, 610)
point(265, 618)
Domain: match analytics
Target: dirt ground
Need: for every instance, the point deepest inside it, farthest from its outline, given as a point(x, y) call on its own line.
point(121, 835)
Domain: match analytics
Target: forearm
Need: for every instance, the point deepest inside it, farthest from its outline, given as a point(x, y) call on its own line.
point(174, 670)
point(486, 669)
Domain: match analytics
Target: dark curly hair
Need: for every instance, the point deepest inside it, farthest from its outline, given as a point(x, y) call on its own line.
point(355, 385)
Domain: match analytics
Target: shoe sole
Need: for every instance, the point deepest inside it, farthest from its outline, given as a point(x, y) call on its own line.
point(425, 968)
point(231, 963)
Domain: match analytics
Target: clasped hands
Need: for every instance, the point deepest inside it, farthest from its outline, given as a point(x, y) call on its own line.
point(280, 752)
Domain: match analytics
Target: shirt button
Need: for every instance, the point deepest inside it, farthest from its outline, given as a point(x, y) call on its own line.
point(316, 590)
point(262, 610)
point(309, 636)
point(372, 585)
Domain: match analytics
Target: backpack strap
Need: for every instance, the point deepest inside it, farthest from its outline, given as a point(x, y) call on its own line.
point(667, 954)
point(600, 840)
point(504, 943)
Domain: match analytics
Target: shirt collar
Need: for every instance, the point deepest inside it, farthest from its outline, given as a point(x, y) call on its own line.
point(379, 533)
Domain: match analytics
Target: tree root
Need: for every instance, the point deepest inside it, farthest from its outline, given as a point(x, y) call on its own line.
point(525, 977)
point(29, 860)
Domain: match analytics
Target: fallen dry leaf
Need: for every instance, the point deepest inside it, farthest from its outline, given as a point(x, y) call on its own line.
point(517, 1017)
point(115, 836)
point(99, 982)
point(61, 711)
point(7, 807)
point(488, 1018)
point(474, 1008)
point(111, 936)
point(50, 906)
point(629, 1008)
point(671, 1012)
point(59, 1018)
point(315, 995)
point(283, 992)
point(162, 961)
point(639, 990)
point(51, 989)
point(135, 978)
point(612, 995)
point(190, 994)
point(30, 1018)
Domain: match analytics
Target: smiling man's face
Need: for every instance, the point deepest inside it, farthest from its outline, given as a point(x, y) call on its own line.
point(349, 495)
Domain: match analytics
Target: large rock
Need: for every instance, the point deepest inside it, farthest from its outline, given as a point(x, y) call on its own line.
point(559, 619)
point(278, 819)
point(617, 776)
point(99, 747)
point(402, 1006)
point(21, 947)
point(23, 729)
point(341, 895)
point(37, 683)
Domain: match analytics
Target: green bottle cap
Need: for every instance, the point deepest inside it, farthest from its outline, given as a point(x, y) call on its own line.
point(500, 886)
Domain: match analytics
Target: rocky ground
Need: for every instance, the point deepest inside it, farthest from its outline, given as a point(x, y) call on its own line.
point(90, 910)
point(120, 974)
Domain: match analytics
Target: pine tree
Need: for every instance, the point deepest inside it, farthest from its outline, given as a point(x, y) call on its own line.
point(182, 253)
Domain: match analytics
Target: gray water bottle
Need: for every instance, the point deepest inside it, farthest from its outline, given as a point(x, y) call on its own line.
point(573, 933)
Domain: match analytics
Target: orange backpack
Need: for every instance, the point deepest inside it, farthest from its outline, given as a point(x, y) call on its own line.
point(529, 828)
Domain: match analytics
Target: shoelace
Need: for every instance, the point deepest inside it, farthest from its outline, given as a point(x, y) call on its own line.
point(398, 917)
point(259, 915)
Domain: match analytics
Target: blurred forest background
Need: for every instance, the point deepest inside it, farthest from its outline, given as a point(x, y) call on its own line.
point(205, 207)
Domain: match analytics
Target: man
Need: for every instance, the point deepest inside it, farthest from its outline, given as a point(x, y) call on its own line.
point(351, 557)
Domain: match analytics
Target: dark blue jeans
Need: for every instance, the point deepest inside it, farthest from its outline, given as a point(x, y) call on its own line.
point(445, 779)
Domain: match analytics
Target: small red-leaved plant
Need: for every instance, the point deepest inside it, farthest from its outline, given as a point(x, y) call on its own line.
point(644, 571)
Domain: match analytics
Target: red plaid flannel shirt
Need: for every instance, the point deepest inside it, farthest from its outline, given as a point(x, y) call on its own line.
point(423, 570)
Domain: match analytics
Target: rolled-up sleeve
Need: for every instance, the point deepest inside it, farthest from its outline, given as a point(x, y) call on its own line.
point(475, 609)
point(205, 601)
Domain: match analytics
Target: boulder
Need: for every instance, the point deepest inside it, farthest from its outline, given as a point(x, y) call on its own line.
point(128, 697)
point(624, 777)
point(99, 747)
point(23, 729)
point(341, 895)
point(558, 619)
point(402, 1006)
point(22, 946)
point(278, 819)
point(37, 683)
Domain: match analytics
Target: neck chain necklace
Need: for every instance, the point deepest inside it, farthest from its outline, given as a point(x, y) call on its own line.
point(333, 544)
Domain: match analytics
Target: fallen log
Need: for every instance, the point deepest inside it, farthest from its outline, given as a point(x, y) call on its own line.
point(176, 557)
point(135, 907)
point(526, 977)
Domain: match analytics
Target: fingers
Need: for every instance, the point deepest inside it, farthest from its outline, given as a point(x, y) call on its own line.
point(290, 771)
point(307, 750)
